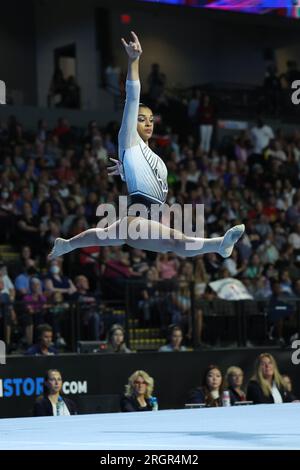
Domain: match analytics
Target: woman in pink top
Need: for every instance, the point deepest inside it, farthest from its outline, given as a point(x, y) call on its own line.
point(167, 266)
point(35, 306)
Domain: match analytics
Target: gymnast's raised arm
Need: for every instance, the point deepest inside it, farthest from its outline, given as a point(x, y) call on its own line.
point(128, 135)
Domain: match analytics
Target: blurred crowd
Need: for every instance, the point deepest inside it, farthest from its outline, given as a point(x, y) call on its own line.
point(53, 179)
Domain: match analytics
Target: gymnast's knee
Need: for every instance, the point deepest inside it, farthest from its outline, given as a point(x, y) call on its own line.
point(109, 236)
point(174, 245)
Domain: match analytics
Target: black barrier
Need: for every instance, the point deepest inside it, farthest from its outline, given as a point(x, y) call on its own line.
point(95, 382)
point(70, 319)
point(231, 323)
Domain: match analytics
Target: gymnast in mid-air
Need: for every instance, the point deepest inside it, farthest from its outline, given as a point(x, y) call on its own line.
point(145, 175)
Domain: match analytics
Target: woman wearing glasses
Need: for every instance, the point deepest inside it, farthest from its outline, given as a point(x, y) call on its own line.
point(234, 379)
point(138, 392)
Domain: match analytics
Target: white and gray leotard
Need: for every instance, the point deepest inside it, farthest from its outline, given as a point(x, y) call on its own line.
point(144, 172)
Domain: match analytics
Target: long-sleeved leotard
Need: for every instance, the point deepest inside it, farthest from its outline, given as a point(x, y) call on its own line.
point(144, 172)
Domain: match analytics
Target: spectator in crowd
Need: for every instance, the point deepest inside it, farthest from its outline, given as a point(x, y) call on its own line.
point(52, 403)
point(268, 250)
point(63, 132)
point(28, 228)
point(59, 289)
point(7, 213)
point(212, 265)
point(56, 281)
point(194, 104)
point(263, 289)
point(22, 281)
point(89, 308)
point(167, 265)
point(35, 306)
point(91, 207)
point(98, 149)
point(56, 315)
point(242, 146)
point(280, 313)
point(175, 338)
point(138, 392)
point(42, 131)
point(180, 305)
point(118, 269)
point(151, 299)
point(139, 262)
point(287, 381)
point(286, 283)
point(261, 134)
point(116, 340)
point(7, 282)
point(26, 256)
point(234, 378)
point(232, 264)
point(294, 237)
point(52, 230)
point(201, 277)
point(263, 226)
point(65, 173)
point(210, 392)
point(267, 385)
point(7, 298)
point(206, 116)
point(44, 345)
point(7, 313)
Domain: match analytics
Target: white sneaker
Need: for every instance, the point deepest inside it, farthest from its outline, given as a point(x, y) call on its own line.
point(229, 240)
point(61, 247)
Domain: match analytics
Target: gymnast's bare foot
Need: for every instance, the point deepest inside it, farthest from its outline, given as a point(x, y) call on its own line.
point(61, 247)
point(229, 240)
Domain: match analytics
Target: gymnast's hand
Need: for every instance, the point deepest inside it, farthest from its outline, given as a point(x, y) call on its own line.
point(133, 48)
point(116, 169)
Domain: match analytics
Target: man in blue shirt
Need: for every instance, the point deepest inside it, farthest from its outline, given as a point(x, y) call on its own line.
point(22, 281)
point(44, 346)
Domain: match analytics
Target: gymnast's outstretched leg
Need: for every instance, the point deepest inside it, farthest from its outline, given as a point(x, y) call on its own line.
point(169, 240)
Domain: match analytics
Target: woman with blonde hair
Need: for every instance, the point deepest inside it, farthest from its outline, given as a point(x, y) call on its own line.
point(267, 385)
point(234, 380)
point(138, 392)
point(201, 276)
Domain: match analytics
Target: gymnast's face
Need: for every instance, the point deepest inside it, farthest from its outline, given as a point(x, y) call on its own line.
point(145, 123)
